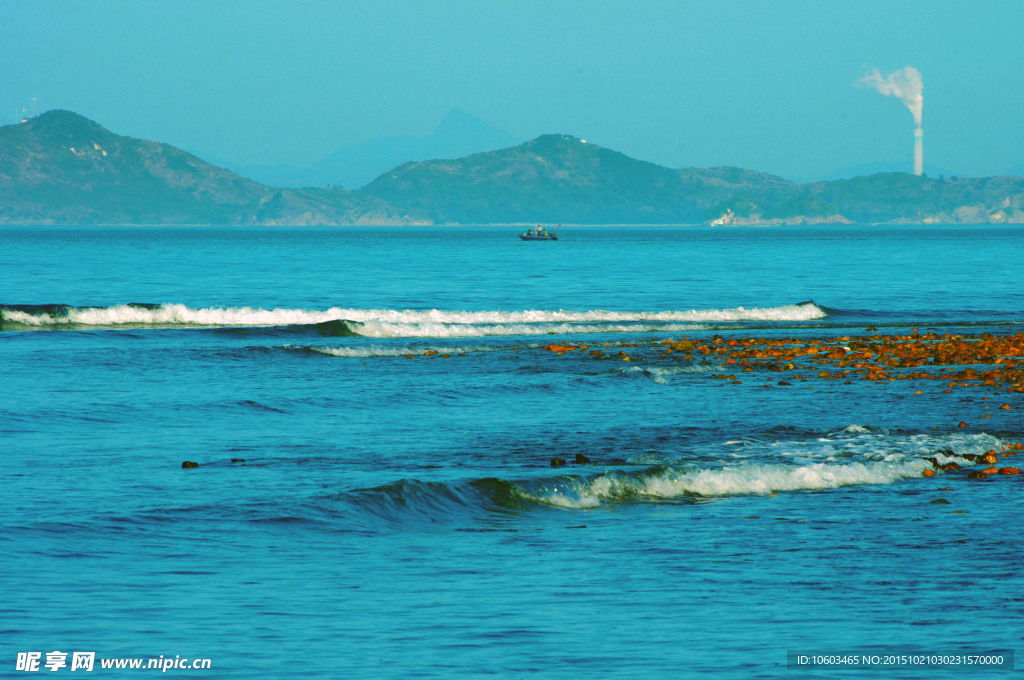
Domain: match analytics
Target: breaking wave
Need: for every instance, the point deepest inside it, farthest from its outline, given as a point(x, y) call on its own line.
point(389, 323)
point(670, 483)
point(871, 461)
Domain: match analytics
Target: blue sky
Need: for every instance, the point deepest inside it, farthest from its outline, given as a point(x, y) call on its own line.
point(768, 85)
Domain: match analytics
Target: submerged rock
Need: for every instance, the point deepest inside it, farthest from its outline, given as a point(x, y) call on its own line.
point(557, 462)
point(189, 464)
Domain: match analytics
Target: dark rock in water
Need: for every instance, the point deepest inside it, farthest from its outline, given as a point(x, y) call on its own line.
point(557, 462)
point(581, 459)
point(939, 501)
point(970, 456)
point(977, 475)
point(950, 466)
point(238, 460)
point(934, 462)
point(189, 464)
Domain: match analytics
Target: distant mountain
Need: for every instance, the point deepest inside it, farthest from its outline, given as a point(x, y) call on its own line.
point(903, 198)
point(459, 134)
point(61, 168)
point(557, 178)
point(865, 169)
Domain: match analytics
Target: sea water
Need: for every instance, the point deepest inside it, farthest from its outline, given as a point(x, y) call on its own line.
point(374, 418)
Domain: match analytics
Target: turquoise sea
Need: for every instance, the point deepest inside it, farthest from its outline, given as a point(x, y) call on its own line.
point(374, 416)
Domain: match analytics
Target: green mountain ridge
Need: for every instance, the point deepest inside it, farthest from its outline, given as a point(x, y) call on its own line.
point(61, 168)
point(557, 178)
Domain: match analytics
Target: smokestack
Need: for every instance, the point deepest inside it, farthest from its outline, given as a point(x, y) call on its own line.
point(918, 151)
point(906, 85)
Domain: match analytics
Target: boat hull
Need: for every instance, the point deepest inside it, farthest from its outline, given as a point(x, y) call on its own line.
point(549, 237)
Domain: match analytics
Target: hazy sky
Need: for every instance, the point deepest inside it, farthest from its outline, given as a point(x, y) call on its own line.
point(762, 84)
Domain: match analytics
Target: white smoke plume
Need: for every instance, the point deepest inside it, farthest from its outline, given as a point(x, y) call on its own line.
point(905, 84)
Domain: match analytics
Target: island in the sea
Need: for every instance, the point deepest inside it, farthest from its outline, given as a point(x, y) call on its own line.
point(60, 168)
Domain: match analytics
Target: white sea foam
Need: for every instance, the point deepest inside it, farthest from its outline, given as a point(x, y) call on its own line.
point(368, 352)
point(174, 315)
point(412, 323)
point(860, 458)
point(361, 351)
point(728, 481)
point(379, 329)
point(530, 317)
point(662, 374)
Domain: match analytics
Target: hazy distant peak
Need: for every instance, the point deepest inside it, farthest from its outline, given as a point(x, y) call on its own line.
point(459, 119)
point(465, 131)
point(459, 134)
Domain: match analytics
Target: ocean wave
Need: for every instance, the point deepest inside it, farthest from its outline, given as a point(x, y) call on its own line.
point(377, 351)
point(669, 483)
point(413, 501)
point(409, 500)
point(160, 315)
point(663, 374)
point(391, 323)
point(488, 503)
point(379, 329)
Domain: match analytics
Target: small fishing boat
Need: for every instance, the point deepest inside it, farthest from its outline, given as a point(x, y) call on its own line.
point(540, 234)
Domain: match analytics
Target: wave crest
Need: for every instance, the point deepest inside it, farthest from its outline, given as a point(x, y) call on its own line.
point(392, 323)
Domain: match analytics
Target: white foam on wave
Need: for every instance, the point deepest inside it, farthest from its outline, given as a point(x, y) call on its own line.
point(662, 374)
point(368, 352)
point(805, 312)
point(864, 444)
point(426, 319)
point(858, 456)
point(379, 329)
point(729, 481)
point(174, 315)
point(881, 446)
point(406, 323)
